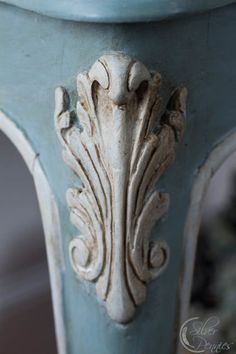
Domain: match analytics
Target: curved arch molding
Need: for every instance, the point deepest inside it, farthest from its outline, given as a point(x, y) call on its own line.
point(212, 163)
point(50, 220)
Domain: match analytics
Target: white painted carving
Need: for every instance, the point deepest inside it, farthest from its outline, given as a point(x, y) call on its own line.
point(119, 150)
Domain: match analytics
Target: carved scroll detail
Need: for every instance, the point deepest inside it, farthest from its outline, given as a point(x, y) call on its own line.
point(119, 151)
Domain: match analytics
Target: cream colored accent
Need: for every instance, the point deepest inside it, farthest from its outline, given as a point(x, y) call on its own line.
point(119, 148)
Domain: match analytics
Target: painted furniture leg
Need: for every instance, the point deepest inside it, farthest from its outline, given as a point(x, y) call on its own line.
point(120, 154)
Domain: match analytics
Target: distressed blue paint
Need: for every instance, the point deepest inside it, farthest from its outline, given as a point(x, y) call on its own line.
point(37, 54)
point(117, 11)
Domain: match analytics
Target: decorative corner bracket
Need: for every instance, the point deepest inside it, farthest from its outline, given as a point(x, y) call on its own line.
point(119, 150)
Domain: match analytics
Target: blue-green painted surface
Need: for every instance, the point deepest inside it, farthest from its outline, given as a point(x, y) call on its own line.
point(38, 54)
point(117, 10)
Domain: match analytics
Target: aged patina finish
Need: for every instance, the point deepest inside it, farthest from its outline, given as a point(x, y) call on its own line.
point(39, 53)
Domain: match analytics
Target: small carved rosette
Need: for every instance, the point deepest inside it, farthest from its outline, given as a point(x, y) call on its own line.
point(119, 149)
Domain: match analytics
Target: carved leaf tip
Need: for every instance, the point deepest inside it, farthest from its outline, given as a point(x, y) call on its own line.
point(61, 114)
point(119, 158)
point(175, 114)
point(178, 100)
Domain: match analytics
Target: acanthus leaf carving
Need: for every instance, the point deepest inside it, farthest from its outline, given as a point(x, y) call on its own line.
point(119, 151)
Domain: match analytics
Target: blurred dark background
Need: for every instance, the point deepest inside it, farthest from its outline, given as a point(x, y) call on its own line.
point(214, 283)
point(26, 319)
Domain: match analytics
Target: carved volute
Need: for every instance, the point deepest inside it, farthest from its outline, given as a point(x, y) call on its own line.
point(119, 146)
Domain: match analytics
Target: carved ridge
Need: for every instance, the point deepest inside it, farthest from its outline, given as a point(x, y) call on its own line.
point(119, 151)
